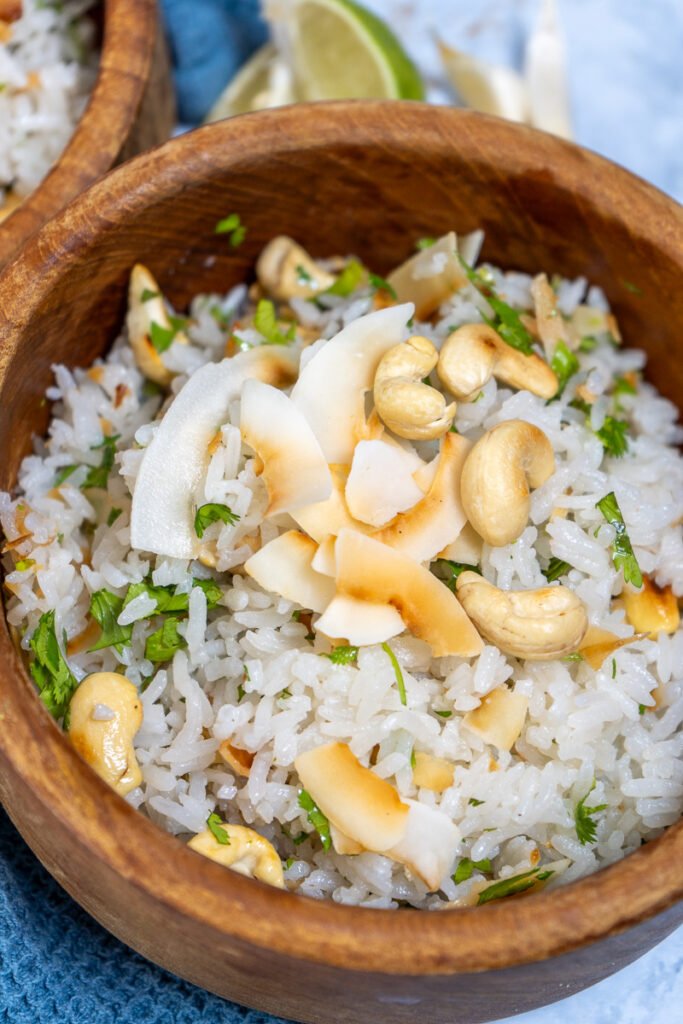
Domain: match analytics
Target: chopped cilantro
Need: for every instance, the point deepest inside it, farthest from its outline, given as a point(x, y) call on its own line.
point(240, 693)
point(612, 434)
point(302, 275)
point(215, 827)
point(413, 759)
point(345, 654)
point(114, 514)
point(507, 321)
point(170, 603)
point(556, 568)
point(316, 818)
point(380, 284)
point(574, 656)
point(349, 279)
point(400, 682)
point(614, 668)
point(622, 552)
point(564, 365)
point(288, 863)
point(641, 709)
point(284, 694)
point(425, 243)
point(586, 828)
point(161, 337)
point(265, 322)
point(24, 563)
point(105, 608)
point(98, 476)
point(588, 343)
point(233, 227)
point(213, 513)
point(162, 645)
point(64, 473)
point(512, 886)
point(622, 386)
point(467, 867)
point(297, 840)
point(50, 669)
point(452, 570)
point(148, 294)
point(443, 714)
point(473, 802)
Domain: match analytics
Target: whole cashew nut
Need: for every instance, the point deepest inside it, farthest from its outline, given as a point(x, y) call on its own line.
point(539, 625)
point(104, 715)
point(286, 271)
point(407, 406)
point(245, 851)
point(508, 460)
point(474, 353)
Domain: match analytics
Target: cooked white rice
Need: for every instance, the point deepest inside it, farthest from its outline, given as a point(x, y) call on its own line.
point(47, 69)
point(252, 673)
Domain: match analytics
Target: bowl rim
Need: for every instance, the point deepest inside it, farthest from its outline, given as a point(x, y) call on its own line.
point(501, 934)
point(130, 30)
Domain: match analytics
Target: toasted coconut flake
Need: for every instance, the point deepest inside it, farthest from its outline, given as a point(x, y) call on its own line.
point(438, 518)
point(294, 468)
point(431, 772)
point(429, 845)
point(499, 719)
point(370, 571)
point(359, 622)
point(176, 459)
point(283, 566)
point(380, 484)
point(328, 518)
point(466, 548)
point(430, 277)
point(330, 391)
point(488, 88)
point(550, 323)
point(587, 321)
point(545, 72)
point(142, 313)
point(652, 609)
point(239, 760)
point(324, 560)
point(598, 644)
point(342, 844)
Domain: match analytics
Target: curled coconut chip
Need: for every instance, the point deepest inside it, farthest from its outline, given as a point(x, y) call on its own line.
point(598, 644)
point(328, 518)
point(434, 274)
point(146, 307)
point(283, 566)
point(294, 468)
point(652, 609)
point(359, 622)
point(176, 459)
point(380, 483)
point(499, 719)
point(549, 321)
point(435, 773)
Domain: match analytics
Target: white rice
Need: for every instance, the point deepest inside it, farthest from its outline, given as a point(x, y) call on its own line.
point(47, 70)
point(250, 672)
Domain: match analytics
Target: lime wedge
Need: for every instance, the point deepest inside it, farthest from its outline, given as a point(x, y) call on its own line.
point(263, 81)
point(338, 49)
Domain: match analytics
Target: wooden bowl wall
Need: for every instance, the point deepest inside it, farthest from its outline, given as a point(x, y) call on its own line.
point(130, 110)
point(367, 178)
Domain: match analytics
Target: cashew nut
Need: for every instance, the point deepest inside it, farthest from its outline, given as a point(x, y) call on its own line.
point(498, 473)
point(104, 715)
point(286, 271)
point(474, 353)
point(407, 406)
point(146, 307)
point(245, 851)
point(539, 625)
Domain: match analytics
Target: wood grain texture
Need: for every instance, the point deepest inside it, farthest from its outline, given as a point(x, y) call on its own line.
point(367, 178)
point(131, 109)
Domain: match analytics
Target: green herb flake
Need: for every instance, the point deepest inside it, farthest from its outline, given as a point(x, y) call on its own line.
point(556, 568)
point(400, 682)
point(316, 818)
point(170, 603)
point(213, 513)
point(114, 514)
point(233, 227)
point(642, 709)
point(413, 759)
point(443, 714)
point(564, 365)
point(622, 386)
point(161, 337)
point(473, 802)
point(217, 830)
point(105, 608)
point(240, 693)
point(425, 243)
point(24, 563)
point(265, 322)
point(345, 654)
point(297, 840)
point(507, 321)
point(574, 656)
point(64, 474)
point(302, 275)
point(148, 294)
point(612, 434)
point(588, 343)
point(162, 645)
point(448, 571)
point(349, 279)
point(614, 668)
point(622, 552)
point(98, 476)
point(586, 828)
point(380, 284)
point(512, 886)
point(467, 867)
point(50, 669)
point(288, 863)
point(284, 694)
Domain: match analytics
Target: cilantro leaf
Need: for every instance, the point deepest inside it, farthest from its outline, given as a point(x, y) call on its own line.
point(98, 476)
point(507, 321)
point(556, 568)
point(170, 603)
point(612, 434)
point(148, 294)
point(114, 514)
point(265, 322)
point(345, 654)
point(24, 563)
point(513, 886)
point(443, 714)
point(213, 513)
point(467, 867)
point(380, 284)
point(105, 608)
point(302, 275)
point(452, 570)
point(586, 828)
point(588, 343)
point(64, 473)
point(316, 817)
point(349, 279)
point(473, 802)
point(50, 669)
point(622, 552)
point(425, 243)
point(162, 645)
point(161, 337)
point(564, 365)
point(233, 227)
point(215, 827)
point(400, 682)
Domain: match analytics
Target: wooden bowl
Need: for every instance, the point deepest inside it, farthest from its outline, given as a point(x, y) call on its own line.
point(367, 178)
point(131, 108)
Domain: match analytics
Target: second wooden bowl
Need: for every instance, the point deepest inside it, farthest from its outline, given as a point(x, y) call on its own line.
point(130, 109)
point(367, 178)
